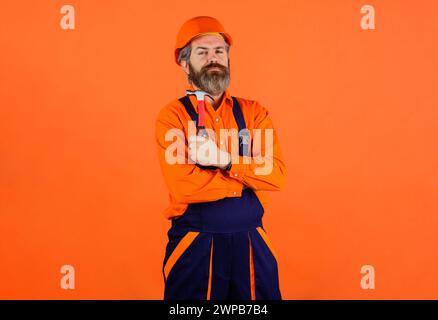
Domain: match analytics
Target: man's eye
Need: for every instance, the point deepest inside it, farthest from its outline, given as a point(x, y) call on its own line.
point(219, 51)
point(202, 52)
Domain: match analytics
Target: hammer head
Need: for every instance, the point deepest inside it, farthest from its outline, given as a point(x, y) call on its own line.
point(200, 95)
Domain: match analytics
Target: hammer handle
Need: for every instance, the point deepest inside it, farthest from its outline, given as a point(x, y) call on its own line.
point(201, 113)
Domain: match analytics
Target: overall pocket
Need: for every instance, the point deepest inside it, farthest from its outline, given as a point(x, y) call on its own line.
point(175, 249)
point(267, 241)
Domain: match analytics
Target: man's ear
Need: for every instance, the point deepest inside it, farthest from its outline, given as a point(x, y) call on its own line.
point(185, 66)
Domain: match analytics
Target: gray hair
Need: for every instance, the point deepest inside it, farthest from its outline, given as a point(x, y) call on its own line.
point(184, 53)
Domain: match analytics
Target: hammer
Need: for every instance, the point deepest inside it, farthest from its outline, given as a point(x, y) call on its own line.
point(200, 96)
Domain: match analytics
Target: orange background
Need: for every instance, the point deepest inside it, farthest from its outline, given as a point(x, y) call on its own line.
point(356, 113)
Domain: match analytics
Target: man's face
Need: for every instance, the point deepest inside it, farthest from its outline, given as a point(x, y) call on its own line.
point(209, 64)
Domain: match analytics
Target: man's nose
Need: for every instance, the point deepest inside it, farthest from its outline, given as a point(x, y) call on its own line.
point(212, 57)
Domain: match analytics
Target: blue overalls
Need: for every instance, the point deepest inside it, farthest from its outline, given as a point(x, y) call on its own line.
point(219, 249)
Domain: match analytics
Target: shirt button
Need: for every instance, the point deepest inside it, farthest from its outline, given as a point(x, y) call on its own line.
point(234, 193)
point(217, 119)
point(235, 174)
point(222, 142)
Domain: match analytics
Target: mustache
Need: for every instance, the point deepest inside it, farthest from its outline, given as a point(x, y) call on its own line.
point(214, 65)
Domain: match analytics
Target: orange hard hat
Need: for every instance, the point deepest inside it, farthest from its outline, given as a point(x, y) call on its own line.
point(198, 26)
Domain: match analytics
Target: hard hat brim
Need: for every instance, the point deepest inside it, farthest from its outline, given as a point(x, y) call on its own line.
point(227, 38)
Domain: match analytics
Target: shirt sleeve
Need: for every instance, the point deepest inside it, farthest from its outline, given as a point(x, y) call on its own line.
point(187, 183)
point(265, 169)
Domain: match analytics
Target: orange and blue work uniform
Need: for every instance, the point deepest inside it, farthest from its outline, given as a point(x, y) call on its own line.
point(218, 247)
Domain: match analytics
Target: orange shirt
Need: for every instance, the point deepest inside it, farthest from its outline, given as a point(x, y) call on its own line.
point(187, 183)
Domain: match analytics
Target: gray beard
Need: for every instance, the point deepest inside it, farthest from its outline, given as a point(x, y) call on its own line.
point(214, 82)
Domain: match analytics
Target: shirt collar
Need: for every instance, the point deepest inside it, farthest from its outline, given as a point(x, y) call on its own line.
point(228, 100)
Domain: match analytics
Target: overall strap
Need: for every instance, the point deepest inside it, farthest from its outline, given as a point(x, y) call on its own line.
point(189, 108)
point(238, 115)
point(244, 137)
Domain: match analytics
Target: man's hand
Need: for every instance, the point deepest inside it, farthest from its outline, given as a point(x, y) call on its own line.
point(205, 152)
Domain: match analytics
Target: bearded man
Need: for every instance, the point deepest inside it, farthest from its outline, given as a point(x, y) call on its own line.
point(218, 248)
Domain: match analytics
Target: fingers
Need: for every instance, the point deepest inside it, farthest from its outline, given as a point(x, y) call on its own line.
point(202, 150)
point(196, 142)
point(197, 139)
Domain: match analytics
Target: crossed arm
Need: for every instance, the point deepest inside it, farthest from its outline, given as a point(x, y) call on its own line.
point(188, 183)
